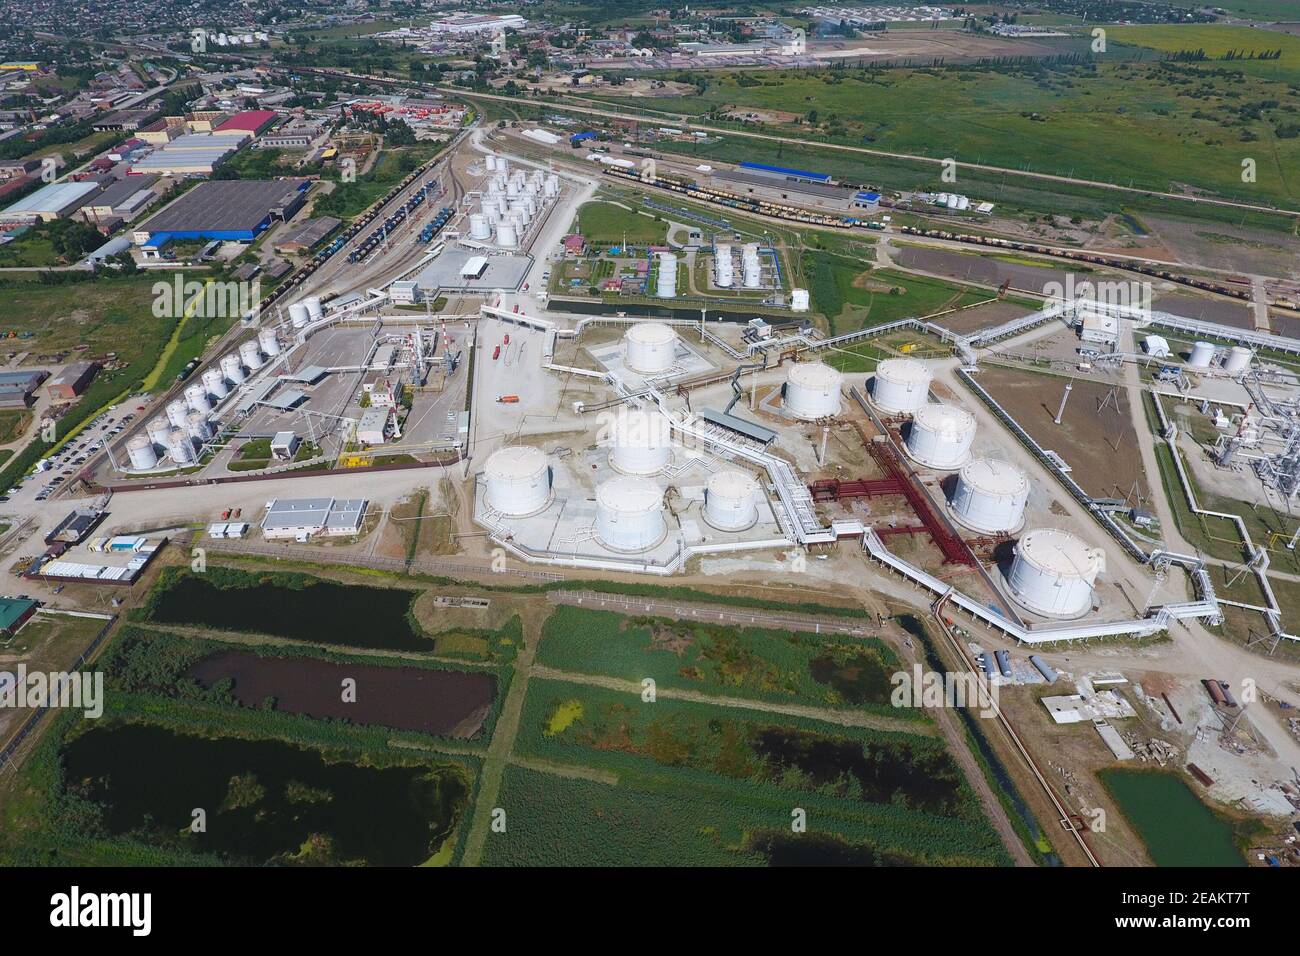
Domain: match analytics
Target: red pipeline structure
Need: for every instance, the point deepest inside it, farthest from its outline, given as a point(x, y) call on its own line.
point(897, 482)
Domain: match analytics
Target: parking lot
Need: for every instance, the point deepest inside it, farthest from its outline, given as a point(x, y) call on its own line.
point(56, 470)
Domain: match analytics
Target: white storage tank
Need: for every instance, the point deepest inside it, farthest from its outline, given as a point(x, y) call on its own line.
point(1052, 572)
point(722, 274)
point(1237, 360)
point(518, 480)
point(231, 368)
point(629, 514)
point(507, 238)
point(901, 385)
point(215, 383)
point(196, 397)
point(251, 356)
point(479, 227)
point(552, 188)
point(666, 280)
point(490, 210)
point(642, 442)
point(651, 347)
point(490, 162)
point(941, 436)
point(812, 390)
point(298, 315)
point(990, 496)
point(799, 300)
point(197, 426)
point(180, 447)
point(159, 430)
point(140, 450)
point(1202, 355)
point(314, 310)
point(268, 343)
point(731, 500)
point(176, 412)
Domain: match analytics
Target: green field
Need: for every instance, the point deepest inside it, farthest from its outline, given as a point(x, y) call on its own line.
point(853, 297)
point(750, 662)
point(1218, 41)
point(347, 200)
point(1143, 123)
point(606, 224)
point(717, 784)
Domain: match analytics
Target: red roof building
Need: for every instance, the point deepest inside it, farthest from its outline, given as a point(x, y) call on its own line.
point(250, 121)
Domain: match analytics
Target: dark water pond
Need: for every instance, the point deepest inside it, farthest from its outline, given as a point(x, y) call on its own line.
point(324, 612)
point(443, 702)
point(264, 800)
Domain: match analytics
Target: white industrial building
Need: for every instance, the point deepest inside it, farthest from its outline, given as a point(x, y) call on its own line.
point(1099, 327)
point(301, 518)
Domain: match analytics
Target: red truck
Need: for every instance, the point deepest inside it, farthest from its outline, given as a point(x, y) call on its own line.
point(496, 353)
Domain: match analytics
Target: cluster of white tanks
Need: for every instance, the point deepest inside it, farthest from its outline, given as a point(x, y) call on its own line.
point(731, 500)
point(666, 280)
point(518, 480)
point(952, 201)
point(990, 496)
point(812, 390)
point(940, 436)
point(901, 385)
point(176, 434)
point(511, 200)
point(641, 442)
point(302, 314)
point(651, 347)
point(1053, 572)
point(1236, 360)
point(724, 276)
point(630, 514)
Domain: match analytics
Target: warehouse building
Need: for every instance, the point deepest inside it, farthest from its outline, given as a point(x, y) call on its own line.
point(307, 235)
point(120, 199)
point(235, 210)
point(301, 518)
point(16, 388)
point(195, 154)
point(71, 381)
point(55, 201)
point(14, 613)
point(249, 121)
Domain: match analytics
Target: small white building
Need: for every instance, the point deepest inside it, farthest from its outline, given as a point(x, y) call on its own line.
point(1157, 346)
point(284, 445)
point(378, 424)
point(404, 293)
point(1099, 327)
point(300, 518)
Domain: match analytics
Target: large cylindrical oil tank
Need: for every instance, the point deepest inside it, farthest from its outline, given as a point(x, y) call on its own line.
point(1237, 360)
point(507, 237)
point(158, 430)
point(990, 496)
point(901, 385)
point(232, 369)
point(552, 187)
point(731, 500)
point(1202, 355)
point(180, 447)
point(722, 274)
point(197, 426)
point(140, 450)
point(314, 310)
point(812, 390)
point(490, 209)
point(268, 343)
point(641, 440)
point(176, 412)
point(250, 356)
point(298, 315)
point(941, 436)
point(479, 228)
point(629, 514)
point(196, 397)
point(651, 347)
point(1053, 571)
point(215, 383)
point(518, 480)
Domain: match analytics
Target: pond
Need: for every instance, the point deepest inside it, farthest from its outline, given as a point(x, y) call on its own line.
point(322, 612)
point(447, 703)
point(265, 801)
point(1177, 828)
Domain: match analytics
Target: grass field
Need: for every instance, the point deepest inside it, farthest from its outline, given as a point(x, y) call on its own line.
point(1140, 123)
point(1217, 41)
point(695, 784)
point(752, 662)
point(607, 224)
point(853, 297)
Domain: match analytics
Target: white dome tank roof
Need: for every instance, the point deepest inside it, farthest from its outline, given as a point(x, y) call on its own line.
point(518, 480)
point(941, 436)
point(730, 500)
point(990, 496)
point(1053, 572)
point(629, 514)
point(651, 347)
point(1062, 553)
point(813, 390)
point(901, 385)
point(642, 442)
